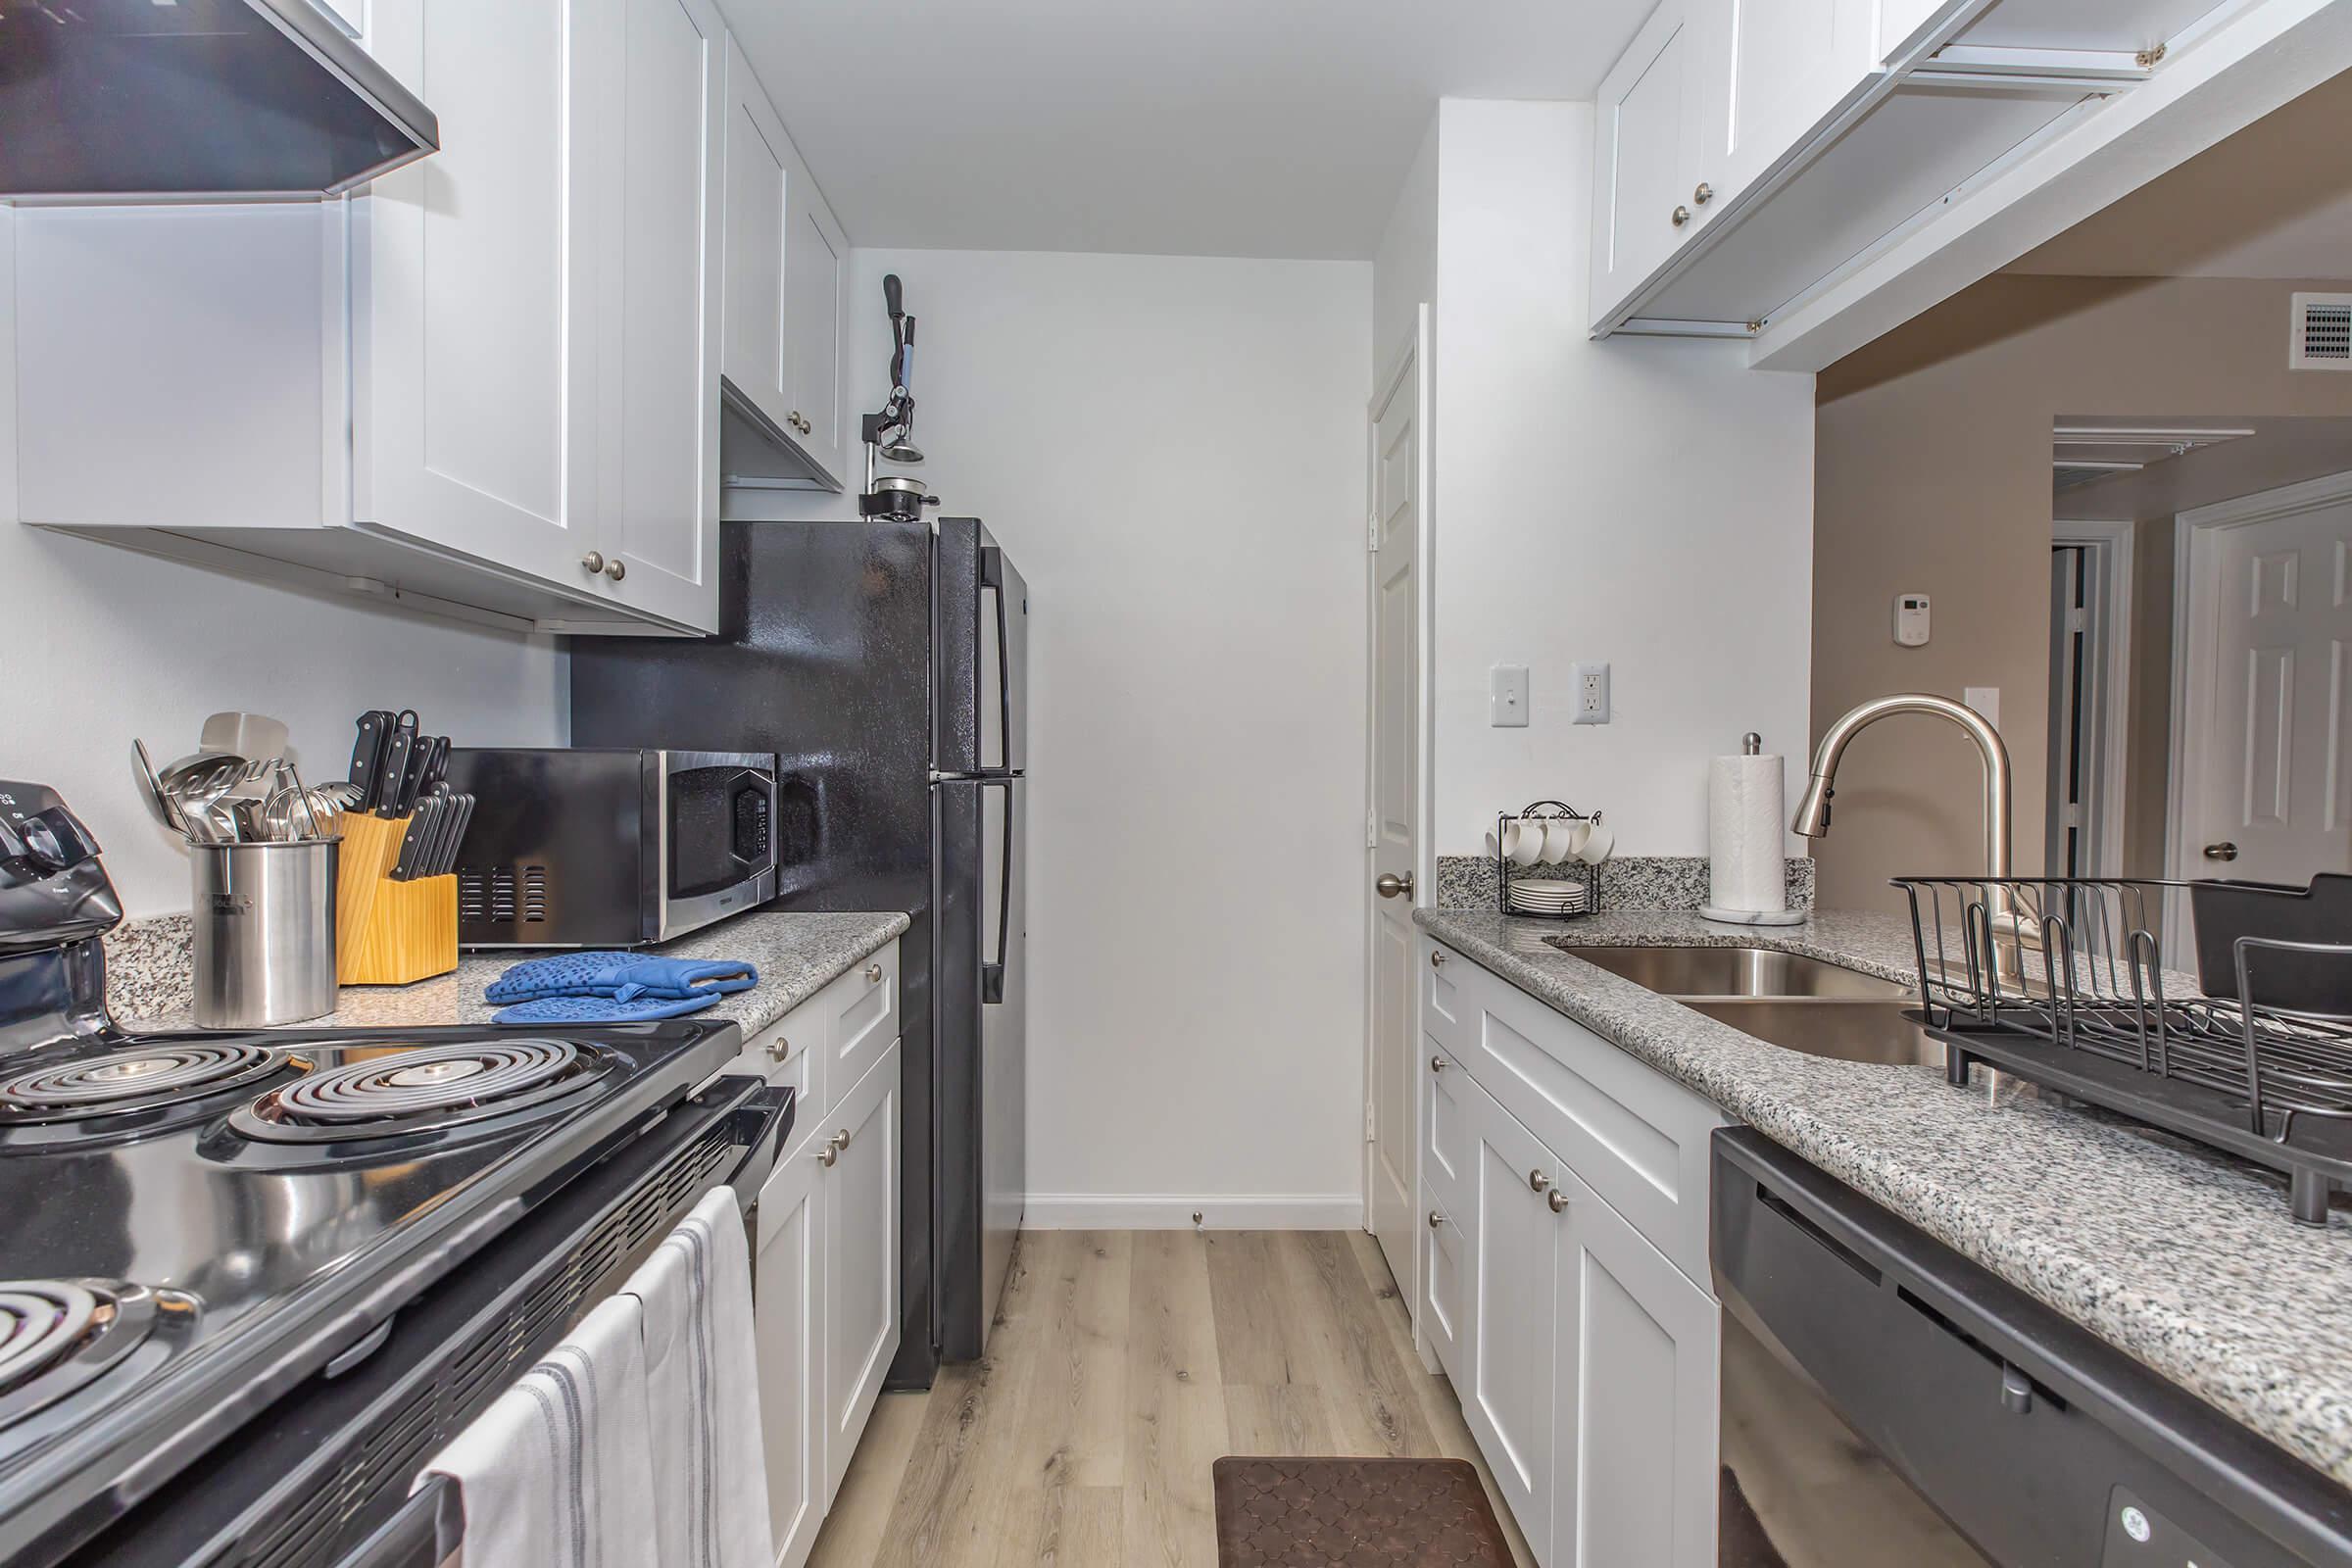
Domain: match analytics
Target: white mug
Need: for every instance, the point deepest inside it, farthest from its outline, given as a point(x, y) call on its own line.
point(1563, 839)
point(1597, 844)
point(1523, 840)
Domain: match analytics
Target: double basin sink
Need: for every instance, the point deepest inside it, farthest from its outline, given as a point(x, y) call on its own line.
point(1823, 1009)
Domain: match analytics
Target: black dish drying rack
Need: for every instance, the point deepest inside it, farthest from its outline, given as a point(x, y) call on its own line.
point(2061, 981)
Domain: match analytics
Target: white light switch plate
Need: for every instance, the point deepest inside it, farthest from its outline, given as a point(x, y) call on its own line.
point(1591, 694)
point(1986, 701)
point(1507, 697)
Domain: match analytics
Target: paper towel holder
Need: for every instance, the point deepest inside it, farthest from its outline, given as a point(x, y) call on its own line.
point(1751, 744)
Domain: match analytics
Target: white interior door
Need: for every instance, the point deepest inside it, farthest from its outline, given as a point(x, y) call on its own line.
point(1394, 588)
point(2271, 734)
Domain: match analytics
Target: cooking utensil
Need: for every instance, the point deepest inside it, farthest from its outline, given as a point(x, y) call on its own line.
point(392, 783)
point(454, 837)
point(254, 735)
point(151, 790)
point(368, 756)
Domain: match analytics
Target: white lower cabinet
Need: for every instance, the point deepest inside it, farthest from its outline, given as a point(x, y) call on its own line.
point(824, 1267)
point(1587, 1363)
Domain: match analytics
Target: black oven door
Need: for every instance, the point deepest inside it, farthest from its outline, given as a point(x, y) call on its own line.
point(718, 836)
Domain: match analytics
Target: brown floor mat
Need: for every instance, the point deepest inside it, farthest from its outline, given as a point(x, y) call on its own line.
point(1354, 1513)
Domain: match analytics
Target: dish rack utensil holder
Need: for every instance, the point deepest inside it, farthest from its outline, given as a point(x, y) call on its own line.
point(388, 933)
point(2061, 981)
point(1506, 870)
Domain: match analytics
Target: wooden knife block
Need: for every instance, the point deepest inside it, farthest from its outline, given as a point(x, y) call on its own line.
point(389, 933)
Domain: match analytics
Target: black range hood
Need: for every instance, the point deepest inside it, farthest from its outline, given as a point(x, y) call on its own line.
point(120, 100)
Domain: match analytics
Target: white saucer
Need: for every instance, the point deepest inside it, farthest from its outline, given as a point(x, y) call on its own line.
point(1753, 916)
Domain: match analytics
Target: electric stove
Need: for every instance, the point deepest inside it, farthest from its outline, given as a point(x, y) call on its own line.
point(198, 1224)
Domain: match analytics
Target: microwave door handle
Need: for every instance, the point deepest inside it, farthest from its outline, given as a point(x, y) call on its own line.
point(991, 974)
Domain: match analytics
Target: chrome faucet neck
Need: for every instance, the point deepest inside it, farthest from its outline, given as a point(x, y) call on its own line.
point(1812, 818)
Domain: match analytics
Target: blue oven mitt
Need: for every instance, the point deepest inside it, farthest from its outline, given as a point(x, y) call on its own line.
point(621, 977)
point(601, 1009)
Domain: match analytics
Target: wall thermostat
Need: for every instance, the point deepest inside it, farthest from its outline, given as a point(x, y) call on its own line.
point(1911, 619)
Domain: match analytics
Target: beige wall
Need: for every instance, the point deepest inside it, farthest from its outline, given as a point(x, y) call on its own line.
point(1932, 472)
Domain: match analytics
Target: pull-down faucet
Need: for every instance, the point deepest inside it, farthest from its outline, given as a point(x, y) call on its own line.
point(1812, 819)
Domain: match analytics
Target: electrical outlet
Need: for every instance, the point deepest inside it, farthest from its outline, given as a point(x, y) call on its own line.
point(1591, 694)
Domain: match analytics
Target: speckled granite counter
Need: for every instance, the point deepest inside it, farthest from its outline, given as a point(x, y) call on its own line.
point(795, 954)
point(2186, 1261)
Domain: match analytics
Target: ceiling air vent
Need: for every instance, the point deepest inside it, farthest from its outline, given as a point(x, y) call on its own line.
point(2321, 334)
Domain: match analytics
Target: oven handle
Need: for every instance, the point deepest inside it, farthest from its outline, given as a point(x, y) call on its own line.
point(426, 1532)
point(761, 1125)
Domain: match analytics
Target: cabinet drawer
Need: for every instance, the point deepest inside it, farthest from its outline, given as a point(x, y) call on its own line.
point(784, 1053)
point(1448, 1137)
point(1442, 1001)
point(1634, 1135)
point(1445, 1283)
point(860, 1016)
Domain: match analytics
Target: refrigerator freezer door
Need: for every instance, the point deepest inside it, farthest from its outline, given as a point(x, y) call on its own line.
point(980, 909)
point(980, 710)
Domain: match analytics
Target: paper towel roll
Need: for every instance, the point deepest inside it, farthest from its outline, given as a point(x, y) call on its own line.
point(1746, 819)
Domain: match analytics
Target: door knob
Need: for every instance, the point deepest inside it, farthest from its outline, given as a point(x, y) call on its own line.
point(1436, 1064)
point(1392, 886)
point(841, 1138)
point(779, 1048)
point(615, 569)
point(1436, 1219)
point(873, 974)
point(593, 562)
point(827, 1154)
point(1704, 194)
point(2224, 850)
point(1559, 1201)
point(1681, 216)
point(1537, 1181)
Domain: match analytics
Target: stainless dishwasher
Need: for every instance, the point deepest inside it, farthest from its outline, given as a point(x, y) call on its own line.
point(1889, 1404)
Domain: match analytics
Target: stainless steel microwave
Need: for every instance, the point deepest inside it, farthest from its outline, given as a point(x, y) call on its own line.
point(596, 846)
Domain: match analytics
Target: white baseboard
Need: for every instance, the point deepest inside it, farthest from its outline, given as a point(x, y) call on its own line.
point(1159, 1211)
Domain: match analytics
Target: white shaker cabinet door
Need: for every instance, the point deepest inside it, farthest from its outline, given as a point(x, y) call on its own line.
point(1508, 1399)
point(659, 398)
point(1649, 117)
point(1636, 1363)
point(789, 1321)
point(815, 254)
point(753, 355)
point(862, 1257)
point(1778, 69)
point(478, 278)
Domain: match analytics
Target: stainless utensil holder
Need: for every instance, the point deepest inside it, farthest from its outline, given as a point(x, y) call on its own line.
point(265, 918)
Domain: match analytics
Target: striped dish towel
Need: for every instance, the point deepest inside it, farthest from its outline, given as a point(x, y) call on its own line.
point(553, 1474)
point(710, 1485)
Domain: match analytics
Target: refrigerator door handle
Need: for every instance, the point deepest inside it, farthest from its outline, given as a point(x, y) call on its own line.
point(992, 973)
point(992, 582)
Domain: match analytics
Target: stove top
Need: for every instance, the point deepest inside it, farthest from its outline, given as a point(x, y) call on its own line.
point(200, 1221)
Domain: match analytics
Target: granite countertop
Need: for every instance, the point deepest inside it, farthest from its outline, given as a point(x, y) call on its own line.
point(795, 954)
point(2185, 1259)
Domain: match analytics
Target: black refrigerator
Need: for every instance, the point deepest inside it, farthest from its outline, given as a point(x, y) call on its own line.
point(885, 664)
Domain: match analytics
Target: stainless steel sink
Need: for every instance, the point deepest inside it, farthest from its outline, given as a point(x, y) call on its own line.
point(1844, 1029)
point(1823, 1009)
point(1681, 972)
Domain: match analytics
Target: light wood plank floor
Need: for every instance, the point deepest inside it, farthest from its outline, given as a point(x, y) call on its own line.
point(1125, 1365)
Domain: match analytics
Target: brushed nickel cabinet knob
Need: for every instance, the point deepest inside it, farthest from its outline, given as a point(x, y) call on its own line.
point(873, 974)
point(593, 562)
point(1537, 1181)
point(1681, 216)
point(1704, 194)
point(1436, 1219)
point(826, 1156)
point(779, 1048)
point(1559, 1201)
point(1436, 1064)
point(2224, 850)
point(617, 569)
point(1437, 960)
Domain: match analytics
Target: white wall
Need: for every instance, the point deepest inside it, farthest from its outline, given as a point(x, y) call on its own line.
point(1172, 450)
point(99, 645)
point(1404, 267)
point(1643, 501)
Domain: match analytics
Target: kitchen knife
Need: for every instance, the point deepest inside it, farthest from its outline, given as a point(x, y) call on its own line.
point(393, 781)
point(444, 857)
point(460, 818)
point(412, 843)
point(434, 749)
point(367, 757)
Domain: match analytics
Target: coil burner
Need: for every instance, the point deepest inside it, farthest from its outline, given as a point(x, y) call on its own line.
point(139, 1078)
point(426, 1090)
point(56, 1335)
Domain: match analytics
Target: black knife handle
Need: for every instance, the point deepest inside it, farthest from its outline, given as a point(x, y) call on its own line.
point(396, 767)
point(368, 756)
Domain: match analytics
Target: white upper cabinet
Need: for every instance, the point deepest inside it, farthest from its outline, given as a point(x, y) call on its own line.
point(784, 253)
point(483, 269)
point(486, 385)
point(658, 437)
point(1648, 138)
point(1748, 152)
